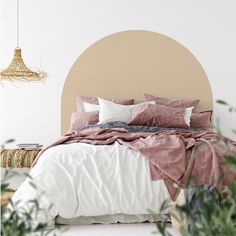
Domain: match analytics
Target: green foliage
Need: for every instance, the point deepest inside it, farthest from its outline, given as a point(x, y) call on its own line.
point(216, 215)
point(164, 224)
point(230, 108)
point(7, 142)
point(18, 220)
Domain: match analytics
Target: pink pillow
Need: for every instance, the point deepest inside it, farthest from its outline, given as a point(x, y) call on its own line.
point(80, 120)
point(171, 102)
point(93, 100)
point(201, 119)
point(159, 115)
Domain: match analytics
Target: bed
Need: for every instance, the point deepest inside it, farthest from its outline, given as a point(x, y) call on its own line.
point(116, 186)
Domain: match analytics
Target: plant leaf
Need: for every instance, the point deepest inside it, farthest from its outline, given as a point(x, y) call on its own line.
point(222, 102)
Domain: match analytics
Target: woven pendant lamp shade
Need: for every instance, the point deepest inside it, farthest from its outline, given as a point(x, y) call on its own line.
point(17, 70)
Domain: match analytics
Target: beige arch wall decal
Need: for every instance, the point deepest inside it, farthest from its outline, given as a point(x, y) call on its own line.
point(129, 63)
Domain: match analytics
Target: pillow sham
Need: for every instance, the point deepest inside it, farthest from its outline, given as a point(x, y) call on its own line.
point(110, 111)
point(201, 119)
point(163, 116)
point(172, 102)
point(80, 120)
point(188, 114)
point(90, 107)
point(80, 100)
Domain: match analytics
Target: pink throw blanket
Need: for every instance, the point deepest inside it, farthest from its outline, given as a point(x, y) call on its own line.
point(169, 153)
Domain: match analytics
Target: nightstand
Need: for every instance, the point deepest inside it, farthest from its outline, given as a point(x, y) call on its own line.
point(15, 158)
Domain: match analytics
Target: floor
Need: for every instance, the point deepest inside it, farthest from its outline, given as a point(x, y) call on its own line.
point(144, 229)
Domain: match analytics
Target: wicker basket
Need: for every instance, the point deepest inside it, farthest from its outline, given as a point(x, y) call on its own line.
point(18, 158)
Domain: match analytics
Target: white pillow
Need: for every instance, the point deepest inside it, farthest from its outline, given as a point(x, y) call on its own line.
point(187, 115)
point(90, 107)
point(110, 111)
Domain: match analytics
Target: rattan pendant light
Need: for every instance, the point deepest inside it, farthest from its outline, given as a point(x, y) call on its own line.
point(17, 70)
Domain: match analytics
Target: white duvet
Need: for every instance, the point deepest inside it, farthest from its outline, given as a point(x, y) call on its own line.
point(91, 180)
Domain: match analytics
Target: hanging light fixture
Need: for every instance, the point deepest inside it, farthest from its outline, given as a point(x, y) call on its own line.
point(17, 70)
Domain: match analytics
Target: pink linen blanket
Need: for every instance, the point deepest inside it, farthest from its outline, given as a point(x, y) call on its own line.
point(170, 154)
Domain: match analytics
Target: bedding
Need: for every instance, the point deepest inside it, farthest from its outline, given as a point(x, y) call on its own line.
point(139, 128)
point(80, 100)
point(164, 116)
point(80, 120)
point(92, 180)
point(198, 120)
point(177, 140)
point(88, 110)
point(201, 120)
point(168, 153)
point(109, 169)
point(110, 111)
point(89, 107)
point(173, 102)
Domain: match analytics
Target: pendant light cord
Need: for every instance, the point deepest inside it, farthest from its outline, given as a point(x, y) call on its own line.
point(17, 23)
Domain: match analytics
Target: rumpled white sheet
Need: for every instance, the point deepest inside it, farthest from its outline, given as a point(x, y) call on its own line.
point(91, 180)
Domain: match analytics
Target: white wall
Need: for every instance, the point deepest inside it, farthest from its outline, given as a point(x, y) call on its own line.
point(59, 31)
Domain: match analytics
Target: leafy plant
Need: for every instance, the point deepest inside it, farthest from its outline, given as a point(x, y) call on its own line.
point(18, 220)
point(211, 213)
point(7, 142)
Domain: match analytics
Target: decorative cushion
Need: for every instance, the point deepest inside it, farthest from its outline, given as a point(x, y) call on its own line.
point(201, 119)
point(163, 116)
point(172, 102)
point(94, 100)
point(110, 111)
point(80, 120)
